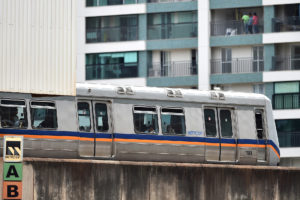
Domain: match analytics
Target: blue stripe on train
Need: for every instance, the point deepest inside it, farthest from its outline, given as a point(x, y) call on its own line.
point(136, 136)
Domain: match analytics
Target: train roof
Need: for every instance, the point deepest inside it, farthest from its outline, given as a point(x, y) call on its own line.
point(169, 94)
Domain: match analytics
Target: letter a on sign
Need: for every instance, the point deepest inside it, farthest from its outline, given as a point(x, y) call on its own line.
point(12, 171)
point(13, 149)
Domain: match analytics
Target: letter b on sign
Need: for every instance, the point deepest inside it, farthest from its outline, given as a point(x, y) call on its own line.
point(12, 190)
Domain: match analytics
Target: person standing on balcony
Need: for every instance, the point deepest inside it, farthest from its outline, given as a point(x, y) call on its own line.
point(250, 23)
point(255, 23)
point(245, 19)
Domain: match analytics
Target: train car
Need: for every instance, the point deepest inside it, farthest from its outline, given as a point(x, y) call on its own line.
point(144, 124)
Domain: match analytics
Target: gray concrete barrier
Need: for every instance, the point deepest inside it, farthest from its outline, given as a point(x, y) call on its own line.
point(53, 179)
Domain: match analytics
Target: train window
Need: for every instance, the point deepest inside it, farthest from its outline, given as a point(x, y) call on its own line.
point(210, 122)
point(172, 121)
point(84, 120)
point(43, 115)
point(259, 123)
point(13, 114)
point(226, 124)
point(145, 120)
point(101, 117)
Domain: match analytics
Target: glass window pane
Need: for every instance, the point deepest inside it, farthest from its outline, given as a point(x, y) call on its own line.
point(226, 124)
point(101, 117)
point(173, 121)
point(84, 120)
point(43, 117)
point(145, 120)
point(210, 123)
point(13, 116)
point(259, 123)
point(130, 57)
point(286, 87)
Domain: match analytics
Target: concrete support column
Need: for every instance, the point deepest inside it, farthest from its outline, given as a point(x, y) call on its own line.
point(269, 52)
point(269, 13)
point(142, 70)
point(203, 45)
point(269, 90)
point(142, 27)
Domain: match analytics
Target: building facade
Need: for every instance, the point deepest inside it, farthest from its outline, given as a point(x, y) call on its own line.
point(188, 44)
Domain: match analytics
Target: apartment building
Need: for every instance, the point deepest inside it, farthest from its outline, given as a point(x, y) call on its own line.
point(190, 44)
point(263, 60)
point(138, 42)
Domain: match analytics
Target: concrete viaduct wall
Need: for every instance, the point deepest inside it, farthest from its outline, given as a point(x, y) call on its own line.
point(47, 179)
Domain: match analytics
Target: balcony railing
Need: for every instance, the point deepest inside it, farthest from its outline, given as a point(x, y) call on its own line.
point(111, 71)
point(110, 34)
point(287, 63)
point(286, 24)
point(286, 101)
point(291, 139)
point(236, 66)
point(173, 69)
point(172, 31)
point(92, 3)
point(167, 1)
point(230, 28)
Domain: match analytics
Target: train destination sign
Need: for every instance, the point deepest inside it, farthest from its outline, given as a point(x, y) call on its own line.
point(13, 149)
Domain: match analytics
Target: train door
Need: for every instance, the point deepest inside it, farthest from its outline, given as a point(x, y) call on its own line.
point(221, 144)
point(261, 136)
point(94, 136)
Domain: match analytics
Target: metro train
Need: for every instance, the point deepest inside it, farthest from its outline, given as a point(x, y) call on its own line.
point(144, 124)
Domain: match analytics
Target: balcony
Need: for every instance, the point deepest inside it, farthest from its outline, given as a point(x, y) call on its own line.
point(236, 66)
point(286, 101)
point(112, 34)
point(286, 24)
point(291, 139)
point(173, 69)
point(173, 31)
point(230, 28)
point(285, 63)
point(111, 71)
point(168, 1)
point(92, 3)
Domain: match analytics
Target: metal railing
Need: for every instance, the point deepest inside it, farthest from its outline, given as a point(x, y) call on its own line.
point(233, 27)
point(285, 63)
point(93, 3)
point(291, 139)
point(173, 69)
point(167, 1)
point(110, 34)
point(110, 71)
point(286, 101)
point(172, 31)
point(286, 24)
point(236, 66)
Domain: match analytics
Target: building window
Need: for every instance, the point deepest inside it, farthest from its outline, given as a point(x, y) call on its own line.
point(172, 25)
point(91, 3)
point(259, 89)
point(287, 95)
point(288, 131)
point(111, 28)
point(111, 65)
point(13, 114)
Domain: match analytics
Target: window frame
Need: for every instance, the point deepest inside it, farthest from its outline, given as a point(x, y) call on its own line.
point(45, 107)
point(16, 106)
point(91, 119)
point(175, 114)
point(264, 125)
point(145, 112)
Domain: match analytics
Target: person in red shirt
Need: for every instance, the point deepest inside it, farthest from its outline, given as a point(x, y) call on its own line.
point(255, 23)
